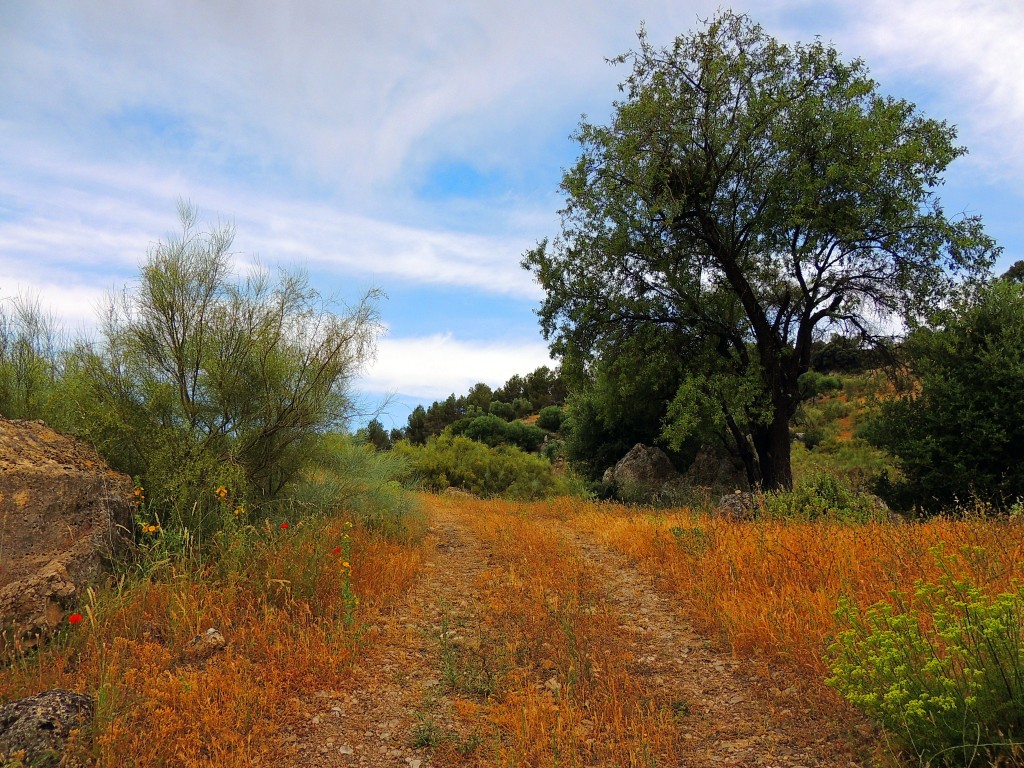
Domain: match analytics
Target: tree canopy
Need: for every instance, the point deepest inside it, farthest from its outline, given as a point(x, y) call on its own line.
point(750, 197)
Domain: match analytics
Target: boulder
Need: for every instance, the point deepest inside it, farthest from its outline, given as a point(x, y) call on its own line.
point(738, 505)
point(34, 731)
point(63, 514)
point(644, 466)
point(201, 647)
point(714, 469)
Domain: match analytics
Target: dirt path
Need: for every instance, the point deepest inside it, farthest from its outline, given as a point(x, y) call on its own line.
point(732, 718)
point(401, 708)
point(397, 695)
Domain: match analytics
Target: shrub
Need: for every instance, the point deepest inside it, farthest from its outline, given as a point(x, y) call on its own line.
point(202, 379)
point(472, 466)
point(813, 384)
point(502, 410)
point(489, 430)
point(494, 431)
point(352, 479)
point(550, 418)
point(961, 434)
point(30, 359)
point(823, 496)
point(524, 436)
point(943, 672)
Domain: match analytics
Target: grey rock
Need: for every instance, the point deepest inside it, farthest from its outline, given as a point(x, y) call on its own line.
point(203, 646)
point(37, 728)
point(645, 466)
point(738, 505)
point(714, 469)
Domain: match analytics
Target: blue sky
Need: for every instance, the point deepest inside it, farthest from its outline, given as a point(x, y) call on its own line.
point(412, 146)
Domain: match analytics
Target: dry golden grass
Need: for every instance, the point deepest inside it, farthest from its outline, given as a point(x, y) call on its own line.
point(769, 588)
point(286, 604)
point(560, 689)
point(545, 616)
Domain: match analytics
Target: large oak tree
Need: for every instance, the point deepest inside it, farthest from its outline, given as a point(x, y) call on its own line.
point(746, 197)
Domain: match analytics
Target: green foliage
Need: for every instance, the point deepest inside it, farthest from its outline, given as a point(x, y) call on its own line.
point(961, 435)
point(345, 477)
point(30, 360)
point(841, 354)
point(494, 431)
point(550, 418)
point(458, 461)
point(814, 384)
point(202, 380)
point(854, 462)
point(746, 196)
point(621, 401)
point(822, 497)
point(519, 397)
point(502, 410)
point(942, 671)
point(374, 434)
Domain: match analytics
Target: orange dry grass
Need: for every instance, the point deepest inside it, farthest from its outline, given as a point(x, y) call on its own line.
point(770, 587)
point(545, 609)
point(278, 596)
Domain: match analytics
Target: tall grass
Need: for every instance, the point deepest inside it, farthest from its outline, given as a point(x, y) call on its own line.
point(290, 607)
point(771, 587)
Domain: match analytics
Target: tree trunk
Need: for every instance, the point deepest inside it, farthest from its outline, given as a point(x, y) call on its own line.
point(746, 451)
point(772, 442)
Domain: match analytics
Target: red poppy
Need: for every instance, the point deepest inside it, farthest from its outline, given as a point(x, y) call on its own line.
point(336, 550)
point(75, 618)
point(284, 525)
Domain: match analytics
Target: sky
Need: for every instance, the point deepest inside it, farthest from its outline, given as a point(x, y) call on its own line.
point(415, 147)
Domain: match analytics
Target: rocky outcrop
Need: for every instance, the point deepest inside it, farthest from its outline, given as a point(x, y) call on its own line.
point(63, 514)
point(645, 467)
point(715, 470)
point(646, 473)
point(34, 731)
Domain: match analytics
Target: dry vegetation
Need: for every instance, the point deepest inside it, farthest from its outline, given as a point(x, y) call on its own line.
point(770, 588)
point(548, 671)
point(281, 600)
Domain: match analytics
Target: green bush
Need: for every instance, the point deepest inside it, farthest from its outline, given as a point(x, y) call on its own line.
point(458, 461)
point(822, 497)
point(960, 434)
point(493, 431)
point(550, 418)
point(30, 359)
point(943, 672)
point(524, 436)
point(502, 410)
point(813, 384)
point(203, 380)
point(345, 476)
point(489, 429)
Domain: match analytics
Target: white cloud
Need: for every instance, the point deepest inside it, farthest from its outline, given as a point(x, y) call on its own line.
point(969, 53)
point(435, 366)
point(73, 306)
